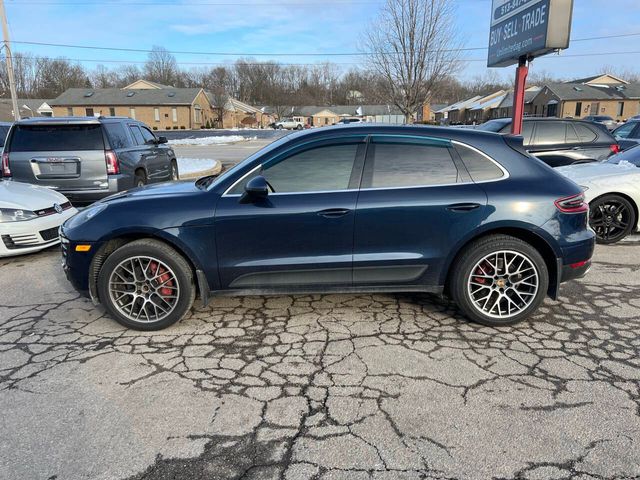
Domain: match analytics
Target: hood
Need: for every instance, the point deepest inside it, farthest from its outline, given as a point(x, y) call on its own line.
point(595, 171)
point(28, 197)
point(157, 190)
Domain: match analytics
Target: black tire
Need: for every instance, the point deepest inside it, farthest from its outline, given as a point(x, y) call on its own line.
point(175, 174)
point(140, 178)
point(612, 217)
point(181, 269)
point(463, 268)
point(298, 127)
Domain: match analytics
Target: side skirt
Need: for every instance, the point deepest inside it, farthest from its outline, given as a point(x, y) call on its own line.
point(326, 289)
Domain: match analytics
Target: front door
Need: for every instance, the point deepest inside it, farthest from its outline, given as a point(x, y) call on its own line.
point(416, 202)
point(301, 234)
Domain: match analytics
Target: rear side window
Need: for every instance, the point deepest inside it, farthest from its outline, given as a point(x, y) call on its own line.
point(51, 138)
point(479, 166)
point(135, 131)
point(117, 136)
point(585, 134)
point(409, 163)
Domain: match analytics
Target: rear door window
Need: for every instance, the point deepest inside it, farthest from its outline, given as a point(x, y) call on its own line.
point(550, 133)
point(137, 135)
point(52, 138)
point(585, 134)
point(407, 162)
point(117, 135)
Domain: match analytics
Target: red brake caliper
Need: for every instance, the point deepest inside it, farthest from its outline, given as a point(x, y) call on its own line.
point(484, 269)
point(165, 290)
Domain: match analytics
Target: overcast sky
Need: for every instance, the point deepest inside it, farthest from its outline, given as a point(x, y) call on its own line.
point(251, 27)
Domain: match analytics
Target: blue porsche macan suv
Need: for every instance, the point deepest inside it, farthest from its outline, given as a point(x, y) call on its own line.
point(358, 208)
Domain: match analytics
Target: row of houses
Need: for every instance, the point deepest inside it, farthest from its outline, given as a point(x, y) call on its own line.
point(164, 107)
point(602, 94)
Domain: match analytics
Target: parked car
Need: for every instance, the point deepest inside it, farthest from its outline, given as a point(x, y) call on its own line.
point(346, 209)
point(612, 189)
point(559, 142)
point(347, 121)
point(605, 120)
point(30, 217)
point(87, 158)
point(289, 124)
point(628, 134)
point(4, 130)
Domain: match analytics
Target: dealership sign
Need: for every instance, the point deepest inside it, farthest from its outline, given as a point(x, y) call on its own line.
point(528, 28)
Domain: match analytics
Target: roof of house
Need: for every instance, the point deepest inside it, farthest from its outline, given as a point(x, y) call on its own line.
point(119, 96)
point(149, 83)
point(460, 105)
point(28, 108)
point(235, 105)
point(529, 95)
point(33, 104)
point(596, 77)
point(581, 91)
point(487, 102)
point(339, 110)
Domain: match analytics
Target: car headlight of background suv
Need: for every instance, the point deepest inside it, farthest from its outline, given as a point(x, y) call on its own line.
point(15, 215)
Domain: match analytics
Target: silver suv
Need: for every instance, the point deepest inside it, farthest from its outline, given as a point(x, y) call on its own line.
point(87, 158)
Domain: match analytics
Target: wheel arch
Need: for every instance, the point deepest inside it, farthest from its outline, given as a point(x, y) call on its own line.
point(534, 239)
point(116, 241)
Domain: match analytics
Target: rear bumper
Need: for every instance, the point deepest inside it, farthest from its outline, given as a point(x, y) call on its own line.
point(115, 184)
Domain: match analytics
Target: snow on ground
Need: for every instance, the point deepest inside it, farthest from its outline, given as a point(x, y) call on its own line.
point(194, 165)
point(221, 140)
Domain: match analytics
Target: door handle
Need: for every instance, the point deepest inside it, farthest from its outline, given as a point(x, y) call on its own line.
point(333, 212)
point(463, 207)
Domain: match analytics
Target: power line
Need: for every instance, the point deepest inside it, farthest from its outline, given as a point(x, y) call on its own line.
point(279, 54)
point(307, 3)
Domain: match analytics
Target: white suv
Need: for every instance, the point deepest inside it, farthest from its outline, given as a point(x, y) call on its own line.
point(289, 124)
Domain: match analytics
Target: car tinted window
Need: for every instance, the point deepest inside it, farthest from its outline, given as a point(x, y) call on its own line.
point(479, 166)
point(632, 155)
point(147, 135)
point(117, 135)
point(572, 136)
point(3, 134)
point(527, 132)
point(40, 138)
point(493, 125)
point(319, 169)
point(585, 134)
point(405, 163)
point(135, 131)
point(625, 130)
point(550, 133)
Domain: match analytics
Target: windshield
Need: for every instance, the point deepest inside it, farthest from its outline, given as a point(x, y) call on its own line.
point(493, 125)
point(272, 146)
point(631, 155)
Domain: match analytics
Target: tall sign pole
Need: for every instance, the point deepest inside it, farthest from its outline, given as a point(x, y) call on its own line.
point(9, 59)
point(518, 96)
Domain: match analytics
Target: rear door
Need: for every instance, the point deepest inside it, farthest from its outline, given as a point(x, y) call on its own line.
point(61, 156)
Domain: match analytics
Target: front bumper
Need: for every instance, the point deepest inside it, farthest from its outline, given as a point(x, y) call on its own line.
point(18, 238)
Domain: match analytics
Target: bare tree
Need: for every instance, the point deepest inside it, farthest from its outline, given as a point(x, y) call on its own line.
point(412, 45)
point(161, 66)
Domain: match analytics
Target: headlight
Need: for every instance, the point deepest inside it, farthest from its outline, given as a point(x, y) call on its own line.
point(15, 215)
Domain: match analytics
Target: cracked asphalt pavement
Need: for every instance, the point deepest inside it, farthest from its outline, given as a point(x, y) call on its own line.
point(321, 386)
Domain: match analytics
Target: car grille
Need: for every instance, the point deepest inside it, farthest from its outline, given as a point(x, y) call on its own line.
point(49, 234)
point(51, 210)
point(14, 242)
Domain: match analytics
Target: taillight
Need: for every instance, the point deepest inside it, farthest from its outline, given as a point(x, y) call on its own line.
point(6, 171)
point(572, 204)
point(113, 166)
point(615, 148)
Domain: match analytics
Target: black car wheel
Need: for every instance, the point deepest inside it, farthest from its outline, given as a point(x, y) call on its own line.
point(174, 170)
point(146, 285)
point(140, 179)
point(499, 280)
point(612, 217)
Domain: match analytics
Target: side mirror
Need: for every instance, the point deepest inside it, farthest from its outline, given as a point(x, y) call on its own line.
point(256, 189)
point(162, 140)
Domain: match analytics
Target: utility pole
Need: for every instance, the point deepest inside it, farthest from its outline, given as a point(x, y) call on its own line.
point(9, 57)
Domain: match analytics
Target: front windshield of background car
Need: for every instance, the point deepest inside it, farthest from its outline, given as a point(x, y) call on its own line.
point(631, 155)
point(272, 146)
point(493, 125)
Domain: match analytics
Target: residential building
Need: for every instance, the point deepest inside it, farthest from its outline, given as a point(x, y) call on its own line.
point(480, 111)
point(505, 108)
point(321, 116)
point(29, 107)
point(237, 114)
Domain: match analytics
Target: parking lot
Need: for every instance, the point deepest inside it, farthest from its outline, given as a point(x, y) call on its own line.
point(321, 386)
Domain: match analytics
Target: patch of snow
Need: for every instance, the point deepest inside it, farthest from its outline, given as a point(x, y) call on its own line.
point(626, 164)
point(195, 165)
point(221, 140)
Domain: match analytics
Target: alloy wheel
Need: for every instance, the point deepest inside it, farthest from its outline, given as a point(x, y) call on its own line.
point(610, 220)
point(503, 284)
point(144, 289)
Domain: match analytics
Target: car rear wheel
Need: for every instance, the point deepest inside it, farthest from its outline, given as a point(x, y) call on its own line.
point(174, 170)
point(146, 285)
point(140, 179)
point(612, 217)
point(499, 280)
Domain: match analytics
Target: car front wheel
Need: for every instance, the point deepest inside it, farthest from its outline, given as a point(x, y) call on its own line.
point(146, 285)
point(499, 280)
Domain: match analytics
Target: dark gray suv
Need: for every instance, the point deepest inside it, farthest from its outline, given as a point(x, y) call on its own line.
point(87, 158)
point(559, 142)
